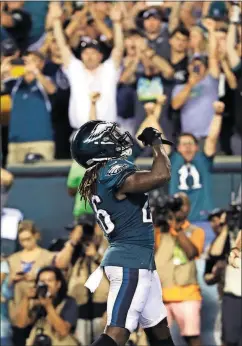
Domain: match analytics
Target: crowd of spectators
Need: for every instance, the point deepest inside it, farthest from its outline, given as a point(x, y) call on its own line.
point(175, 66)
point(54, 57)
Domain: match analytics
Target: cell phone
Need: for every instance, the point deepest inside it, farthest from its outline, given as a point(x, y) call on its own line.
point(196, 69)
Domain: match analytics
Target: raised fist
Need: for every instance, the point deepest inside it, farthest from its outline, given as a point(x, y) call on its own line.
point(218, 107)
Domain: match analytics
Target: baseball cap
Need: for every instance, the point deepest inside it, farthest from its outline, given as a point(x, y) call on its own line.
point(8, 47)
point(218, 10)
point(215, 212)
point(152, 12)
point(90, 43)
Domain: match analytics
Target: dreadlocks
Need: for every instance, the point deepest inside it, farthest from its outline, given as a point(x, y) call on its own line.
point(87, 187)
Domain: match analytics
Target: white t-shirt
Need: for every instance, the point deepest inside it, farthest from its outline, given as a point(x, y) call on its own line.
point(83, 82)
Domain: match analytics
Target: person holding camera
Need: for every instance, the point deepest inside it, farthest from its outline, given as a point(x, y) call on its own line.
point(24, 266)
point(49, 309)
point(177, 249)
point(84, 251)
point(227, 277)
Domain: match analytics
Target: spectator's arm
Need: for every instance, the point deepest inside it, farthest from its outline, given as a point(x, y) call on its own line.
point(55, 13)
point(128, 74)
point(181, 98)
point(233, 56)
point(160, 63)
point(161, 100)
point(22, 313)
point(117, 53)
point(61, 42)
point(230, 76)
point(219, 243)
point(213, 63)
point(64, 257)
point(205, 9)
point(186, 14)
point(59, 325)
point(214, 130)
point(174, 18)
point(46, 44)
point(77, 18)
point(7, 20)
point(100, 25)
point(6, 177)
point(93, 109)
point(238, 242)
point(46, 82)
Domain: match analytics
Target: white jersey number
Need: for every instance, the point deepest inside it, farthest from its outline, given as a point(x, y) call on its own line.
point(147, 217)
point(103, 217)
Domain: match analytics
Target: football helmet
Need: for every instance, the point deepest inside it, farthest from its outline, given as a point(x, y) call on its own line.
point(99, 141)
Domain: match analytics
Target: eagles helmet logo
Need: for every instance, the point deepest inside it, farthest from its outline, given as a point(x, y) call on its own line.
point(115, 169)
point(98, 131)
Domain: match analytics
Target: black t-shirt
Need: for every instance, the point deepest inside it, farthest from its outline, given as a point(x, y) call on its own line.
point(22, 26)
point(60, 101)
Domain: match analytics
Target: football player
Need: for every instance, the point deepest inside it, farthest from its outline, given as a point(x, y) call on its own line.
point(117, 191)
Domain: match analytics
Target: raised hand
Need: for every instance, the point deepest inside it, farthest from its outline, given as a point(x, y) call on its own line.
point(95, 96)
point(116, 13)
point(218, 107)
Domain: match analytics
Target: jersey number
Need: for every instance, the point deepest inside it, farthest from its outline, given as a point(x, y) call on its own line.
point(103, 217)
point(147, 217)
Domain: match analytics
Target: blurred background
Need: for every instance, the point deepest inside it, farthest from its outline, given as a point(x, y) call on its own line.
point(175, 66)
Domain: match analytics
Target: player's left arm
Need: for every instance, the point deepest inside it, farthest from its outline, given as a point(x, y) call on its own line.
point(214, 130)
point(144, 181)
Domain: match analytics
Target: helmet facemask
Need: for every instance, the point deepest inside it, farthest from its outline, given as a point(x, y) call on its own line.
point(117, 144)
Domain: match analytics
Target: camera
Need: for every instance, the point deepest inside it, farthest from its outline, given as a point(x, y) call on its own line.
point(41, 290)
point(233, 216)
point(162, 208)
point(87, 221)
point(42, 339)
point(233, 213)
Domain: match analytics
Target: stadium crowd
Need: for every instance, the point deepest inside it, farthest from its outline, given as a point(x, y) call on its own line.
point(174, 66)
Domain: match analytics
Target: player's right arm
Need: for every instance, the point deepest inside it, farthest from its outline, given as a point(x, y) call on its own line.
point(144, 181)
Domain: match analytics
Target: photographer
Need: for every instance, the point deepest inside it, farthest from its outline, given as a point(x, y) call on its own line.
point(179, 244)
point(48, 307)
point(228, 278)
point(84, 252)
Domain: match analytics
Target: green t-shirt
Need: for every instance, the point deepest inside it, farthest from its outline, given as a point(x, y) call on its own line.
point(74, 179)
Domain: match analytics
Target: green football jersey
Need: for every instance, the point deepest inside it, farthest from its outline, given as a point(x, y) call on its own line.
point(127, 223)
